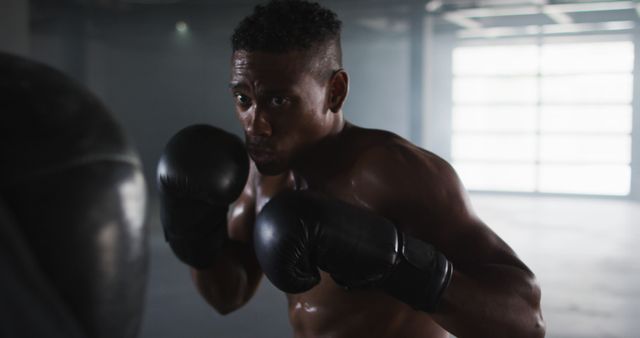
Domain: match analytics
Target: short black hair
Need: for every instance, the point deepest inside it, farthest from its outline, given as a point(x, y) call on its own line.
point(286, 25)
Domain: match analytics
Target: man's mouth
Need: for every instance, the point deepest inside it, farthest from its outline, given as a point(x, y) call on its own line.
point(260, 153)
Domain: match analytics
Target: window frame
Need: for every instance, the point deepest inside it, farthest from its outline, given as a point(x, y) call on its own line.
point(634, 180)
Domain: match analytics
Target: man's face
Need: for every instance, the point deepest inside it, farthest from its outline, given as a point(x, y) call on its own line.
point(280, 105)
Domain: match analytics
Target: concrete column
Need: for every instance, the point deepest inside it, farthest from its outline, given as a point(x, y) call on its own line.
point(635, 132)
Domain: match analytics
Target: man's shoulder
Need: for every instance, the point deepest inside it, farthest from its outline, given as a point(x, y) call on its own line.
point(404, 182)
point(387, 152)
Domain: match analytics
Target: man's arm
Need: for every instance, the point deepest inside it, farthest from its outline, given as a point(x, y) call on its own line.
point(204, 172)
point(491, 293)
point(235, 275)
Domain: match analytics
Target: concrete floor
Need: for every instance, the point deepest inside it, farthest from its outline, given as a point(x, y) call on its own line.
point(586, 253)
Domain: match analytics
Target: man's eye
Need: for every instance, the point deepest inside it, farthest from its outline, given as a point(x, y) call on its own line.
point(242, 99)
point(278, 100)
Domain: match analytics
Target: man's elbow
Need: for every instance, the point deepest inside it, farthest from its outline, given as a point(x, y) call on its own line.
point(535, 327)
point(225, 308)
point(226, 303)
point(224, 298)
point(529, 325)
point(539, 330)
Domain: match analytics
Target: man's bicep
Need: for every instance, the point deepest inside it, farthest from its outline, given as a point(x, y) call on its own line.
point(468, 240)
point(451, 224)
point(470, 243)
point(424, 197)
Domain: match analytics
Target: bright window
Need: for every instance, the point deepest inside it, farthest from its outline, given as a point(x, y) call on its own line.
point(551, 117)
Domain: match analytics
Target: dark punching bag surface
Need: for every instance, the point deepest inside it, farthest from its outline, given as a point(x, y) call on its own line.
point(29, 305)
point(72, 190)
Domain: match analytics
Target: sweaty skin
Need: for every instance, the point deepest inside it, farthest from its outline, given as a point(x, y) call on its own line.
point(297, 139)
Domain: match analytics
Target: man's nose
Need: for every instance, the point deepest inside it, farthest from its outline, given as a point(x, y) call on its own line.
point(259, 125)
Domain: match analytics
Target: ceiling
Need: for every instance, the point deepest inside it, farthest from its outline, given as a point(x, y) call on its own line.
point(463, 15)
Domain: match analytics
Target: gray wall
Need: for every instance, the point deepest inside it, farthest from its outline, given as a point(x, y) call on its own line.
point(158, 81)
point(14, 26)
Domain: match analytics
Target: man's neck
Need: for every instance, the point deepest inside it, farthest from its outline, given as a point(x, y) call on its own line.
point(317, 159)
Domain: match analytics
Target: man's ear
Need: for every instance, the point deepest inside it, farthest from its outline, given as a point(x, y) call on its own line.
point(338, 90)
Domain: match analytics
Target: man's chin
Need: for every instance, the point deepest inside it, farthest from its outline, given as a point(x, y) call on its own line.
point(270, 168)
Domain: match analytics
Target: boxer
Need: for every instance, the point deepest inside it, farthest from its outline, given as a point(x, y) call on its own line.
point(73, 242)
point(367, 234)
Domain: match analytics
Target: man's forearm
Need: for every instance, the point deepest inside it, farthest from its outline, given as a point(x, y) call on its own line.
point(492, 301)
point(232, 280)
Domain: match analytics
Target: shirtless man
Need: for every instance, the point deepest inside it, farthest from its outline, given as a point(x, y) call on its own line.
point(399, 249)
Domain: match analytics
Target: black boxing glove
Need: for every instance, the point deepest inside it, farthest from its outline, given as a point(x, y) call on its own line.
point(202, 170)
point(298, 232)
